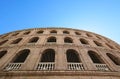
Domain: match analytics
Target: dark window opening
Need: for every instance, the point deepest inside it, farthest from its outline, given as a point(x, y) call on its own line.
point(98, 37)
point(40, 32)
point(51, 39)
point(68, 40)
point(72, 56)
point(21, 56)
point(65, 32)
point(26, 33)
point(77, 33)
point(116, 60)
point(89, 35)
point(3, 36)
point(95, 58)
point(83, 41)
point(16, 41)
point(3, 42)
point(15, 34)
point(97, 43)
point(48, 56)
point(34, 40)
point(53, 32)
point(2, 53)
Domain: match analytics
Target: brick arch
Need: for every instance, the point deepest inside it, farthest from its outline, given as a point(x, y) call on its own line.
point(72, 56)
point(95, 57)
point(16, 41)
point(48, 55)
point(98, 43)
point(33, 40)
point(3, 42)
point(51, 39)
point(113, 58)
point(21, 56)
point(68, 40)
point(83, 41)
point(3, 53)
point(66, 32)
point(53, 32)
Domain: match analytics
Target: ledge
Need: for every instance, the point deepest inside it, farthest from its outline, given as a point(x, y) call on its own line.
point(58, 73)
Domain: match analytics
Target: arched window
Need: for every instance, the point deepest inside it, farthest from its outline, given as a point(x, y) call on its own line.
point(40, 32)
point(2, 53)
point(16, 41)
point(83, 41)
point(72, 56)
point(26, 33)
point(15, 34)
point(53, 32)
point(65, 32)
point(3, 42)
point(97, 43)
point(89, 35)
point(111, 47)
point(3, 36)
point(51, 39)
point(116, 60)
point(21, 56)
point(98, 37)
point(68, 40)
point(95, 57)
point(48, 56)
point(77, 33)
point(34, 40)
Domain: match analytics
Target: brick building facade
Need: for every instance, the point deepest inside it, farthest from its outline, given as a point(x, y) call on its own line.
point(58, 53)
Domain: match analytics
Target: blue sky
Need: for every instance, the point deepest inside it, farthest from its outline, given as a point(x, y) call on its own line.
point(98, 16)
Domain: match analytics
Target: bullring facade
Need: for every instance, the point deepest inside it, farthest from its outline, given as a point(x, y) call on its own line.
point(58, 53)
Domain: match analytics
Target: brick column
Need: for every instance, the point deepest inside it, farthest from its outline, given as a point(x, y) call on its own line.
point(31, 60)
point(61, 61)
point(8, 57)
point(87, 62)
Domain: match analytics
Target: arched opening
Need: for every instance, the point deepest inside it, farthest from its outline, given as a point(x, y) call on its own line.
point(51, 39)
point(89, 35)
point(3, 36)
point(72, 56)
point(83, 41)
point(40, 32)
point(77, 33)
point(97, 43)
point(116, 60)
point(18, 60)
point(95, 57)
point(98, 37)
point(26, 33)
point(34, 40)
point(3, 42)
point(2, 53)
point(47, 60)
point(65, 32)
point(21, 56)
point(53, 32)
point(48, 56)
point(68, 40)
point(15, 34)
point(16, 41)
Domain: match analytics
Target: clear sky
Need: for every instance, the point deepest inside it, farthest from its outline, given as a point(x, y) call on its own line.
point(98, 16)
